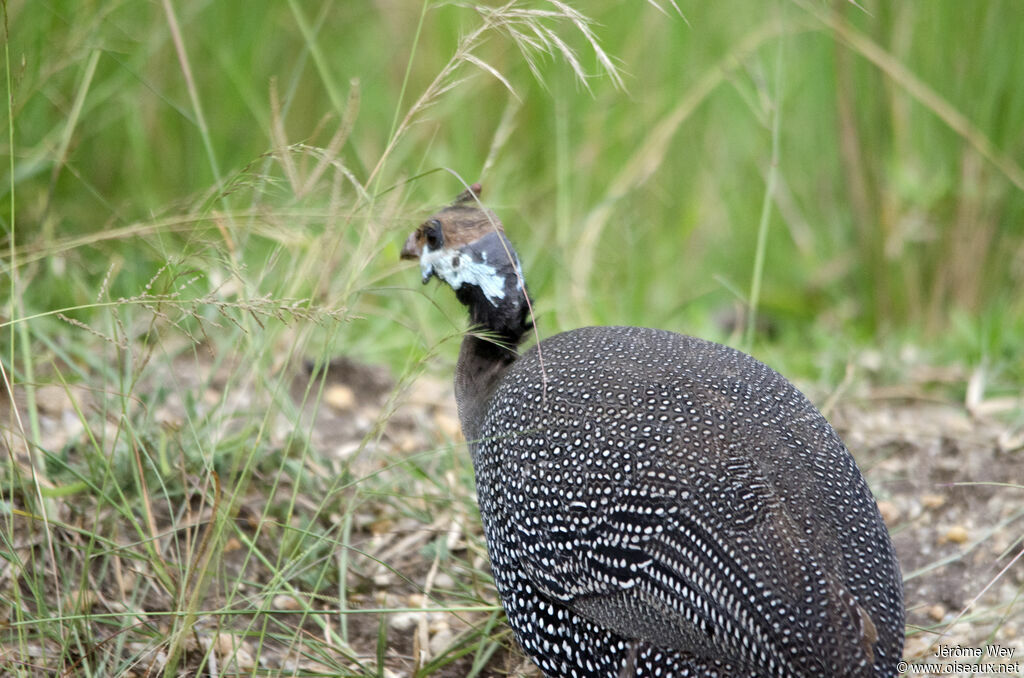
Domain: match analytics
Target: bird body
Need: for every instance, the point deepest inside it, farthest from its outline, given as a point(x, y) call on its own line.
point(655, 504)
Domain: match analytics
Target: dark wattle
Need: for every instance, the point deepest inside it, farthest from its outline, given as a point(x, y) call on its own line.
point(507, 321)
point(506, 316)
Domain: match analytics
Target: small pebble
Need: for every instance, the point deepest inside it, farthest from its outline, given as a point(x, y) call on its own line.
point(404, 621)
point(283, 601)
point(957, 534)
point(382, 526)
point(235, 651)
point(448, 425)
point(244, 659)
point(444, 581)
point(224, 644)
point(441, 640)
point(340, 397)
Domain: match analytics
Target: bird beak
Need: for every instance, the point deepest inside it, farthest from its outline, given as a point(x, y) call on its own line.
point(411, 249)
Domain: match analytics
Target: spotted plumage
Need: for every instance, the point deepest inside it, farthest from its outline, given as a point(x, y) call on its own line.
point(658, 505)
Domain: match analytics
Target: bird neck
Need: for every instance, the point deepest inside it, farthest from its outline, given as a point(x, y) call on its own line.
point(506, 319)
point(488, 280)
point(482, 362)
point(490, 346)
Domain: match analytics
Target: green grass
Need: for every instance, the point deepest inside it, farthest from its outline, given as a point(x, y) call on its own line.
point(200, 196)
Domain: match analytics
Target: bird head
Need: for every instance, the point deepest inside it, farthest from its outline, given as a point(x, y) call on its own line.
point(465, 246)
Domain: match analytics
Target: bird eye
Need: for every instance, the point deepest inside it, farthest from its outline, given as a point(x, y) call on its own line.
point(434, 235)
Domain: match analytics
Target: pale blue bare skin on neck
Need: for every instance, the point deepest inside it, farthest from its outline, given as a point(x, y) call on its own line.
point(457, 268)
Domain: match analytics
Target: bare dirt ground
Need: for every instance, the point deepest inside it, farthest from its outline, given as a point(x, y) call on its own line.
point(949, 480)
point(950, 486)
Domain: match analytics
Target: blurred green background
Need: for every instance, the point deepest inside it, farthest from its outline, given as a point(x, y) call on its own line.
point(203, 200)
point(230, 152)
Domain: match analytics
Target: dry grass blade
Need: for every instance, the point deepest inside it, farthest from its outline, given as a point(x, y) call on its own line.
point(280, 140)
point(501, 135)
point(193, 91)
point(330, 153)
point(69, 128)
point(518, 24)
point(529, 29)
point(583, 24)
point(483, 65)
point(657, 5)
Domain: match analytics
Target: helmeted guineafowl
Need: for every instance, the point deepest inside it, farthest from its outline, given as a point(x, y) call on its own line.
point(655, 504)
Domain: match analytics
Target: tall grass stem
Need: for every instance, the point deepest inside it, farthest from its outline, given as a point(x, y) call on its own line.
point(766, 205)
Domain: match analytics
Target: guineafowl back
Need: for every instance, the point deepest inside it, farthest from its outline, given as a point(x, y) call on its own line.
point(658, 505)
